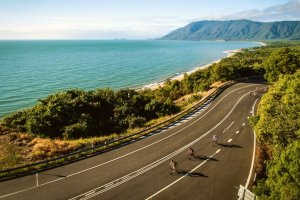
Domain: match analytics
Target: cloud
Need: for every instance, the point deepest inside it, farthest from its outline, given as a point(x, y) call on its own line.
point(288, 11)
point(129, 33)
point(101, 27)
point(69, 27)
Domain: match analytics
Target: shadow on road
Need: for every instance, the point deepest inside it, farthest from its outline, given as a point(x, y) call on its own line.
point(197, 174)
point(56, 175)
point(201, 157)
point(230, 145)
point(190, 174)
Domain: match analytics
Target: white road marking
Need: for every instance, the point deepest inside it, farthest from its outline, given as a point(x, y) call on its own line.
point(183, 176)
point(244, 124)
point(229, 140)
point(237, 132)
point(88, 169)
point(227, 128)
point(90, 193)
point(253, 155)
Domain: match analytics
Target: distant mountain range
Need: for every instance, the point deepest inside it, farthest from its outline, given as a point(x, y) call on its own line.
point(237, 30)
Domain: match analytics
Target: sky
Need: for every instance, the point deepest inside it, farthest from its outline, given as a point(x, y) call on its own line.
point(131, 19)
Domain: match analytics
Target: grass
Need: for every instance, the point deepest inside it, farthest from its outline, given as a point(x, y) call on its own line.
point(10, 154)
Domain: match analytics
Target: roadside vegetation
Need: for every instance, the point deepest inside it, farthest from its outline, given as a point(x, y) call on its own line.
point(66, 121)
point(277, 125)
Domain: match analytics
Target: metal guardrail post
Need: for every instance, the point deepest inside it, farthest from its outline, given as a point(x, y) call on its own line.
point(37, 178)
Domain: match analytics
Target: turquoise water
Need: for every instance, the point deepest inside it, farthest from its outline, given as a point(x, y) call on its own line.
point(30, 70)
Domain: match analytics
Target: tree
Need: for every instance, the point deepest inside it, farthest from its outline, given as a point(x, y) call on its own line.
point(279, 112)
point(283, 180)
point(282, 61)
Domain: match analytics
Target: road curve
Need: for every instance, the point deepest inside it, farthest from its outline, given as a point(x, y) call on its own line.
point(140, 170)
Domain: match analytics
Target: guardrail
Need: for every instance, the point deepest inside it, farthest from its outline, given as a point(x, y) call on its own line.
point(103, 147)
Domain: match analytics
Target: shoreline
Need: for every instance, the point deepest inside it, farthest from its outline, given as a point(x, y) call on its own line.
point(180, 77)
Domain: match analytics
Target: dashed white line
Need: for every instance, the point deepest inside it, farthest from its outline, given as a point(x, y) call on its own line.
point(244, 124)
point(229, 140)
point(237, 132)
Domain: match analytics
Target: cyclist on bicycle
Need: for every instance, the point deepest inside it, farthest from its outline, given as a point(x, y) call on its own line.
point(191, 153)
point(215, 139)
point(173, 165)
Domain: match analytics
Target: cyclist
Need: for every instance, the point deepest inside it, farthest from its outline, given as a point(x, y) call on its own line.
point(191, 153)
point(215, 139)
point(173, 165)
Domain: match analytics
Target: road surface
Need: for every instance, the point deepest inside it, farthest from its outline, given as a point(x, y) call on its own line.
point(141, 169)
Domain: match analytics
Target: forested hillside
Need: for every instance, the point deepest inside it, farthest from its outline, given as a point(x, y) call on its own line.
point(236, 30)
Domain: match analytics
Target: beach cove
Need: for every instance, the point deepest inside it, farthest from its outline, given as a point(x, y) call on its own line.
point(180, 77)
point(31, 70)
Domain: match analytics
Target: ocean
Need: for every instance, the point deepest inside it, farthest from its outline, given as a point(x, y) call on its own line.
point(33, 69)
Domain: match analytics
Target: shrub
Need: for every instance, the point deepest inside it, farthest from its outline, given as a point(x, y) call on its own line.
point(136, 122)
point(73, 131)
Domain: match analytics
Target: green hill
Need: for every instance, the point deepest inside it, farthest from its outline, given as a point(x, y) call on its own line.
point(237, 30)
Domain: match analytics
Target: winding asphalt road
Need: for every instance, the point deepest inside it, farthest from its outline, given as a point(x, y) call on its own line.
point(140, 170)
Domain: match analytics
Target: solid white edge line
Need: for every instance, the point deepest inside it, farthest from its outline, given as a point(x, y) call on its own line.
point(174, 182)
point(253, 155)
point(79, 172)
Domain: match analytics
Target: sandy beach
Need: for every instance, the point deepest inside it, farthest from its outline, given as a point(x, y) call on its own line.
point(154, 86)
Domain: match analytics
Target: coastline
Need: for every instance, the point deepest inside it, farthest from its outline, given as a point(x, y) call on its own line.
point(52, 80)
point(180, 77)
